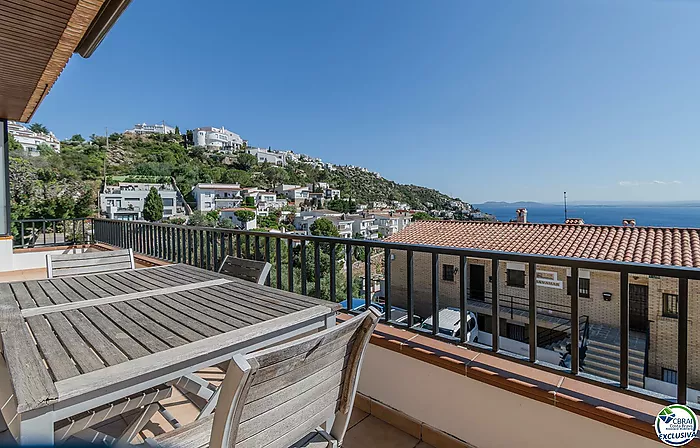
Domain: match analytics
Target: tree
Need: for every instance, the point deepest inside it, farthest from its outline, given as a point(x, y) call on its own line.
point(422, 216)
point(324, 227)
point(199, 219)
point(15, 145)
point(244, 216)
point(249, 201)
point(246, 161)
point(44, 149)
point(177, 130)
point(153, 206)
point(77, 138)
point(38, 128)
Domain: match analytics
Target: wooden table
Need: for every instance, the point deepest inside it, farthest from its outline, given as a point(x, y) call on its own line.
point(75, 343)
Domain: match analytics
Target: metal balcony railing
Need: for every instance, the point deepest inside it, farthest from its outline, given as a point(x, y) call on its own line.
point(206, 247)
point(51, 232)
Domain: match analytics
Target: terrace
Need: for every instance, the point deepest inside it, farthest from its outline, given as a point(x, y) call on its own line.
point(418, 387)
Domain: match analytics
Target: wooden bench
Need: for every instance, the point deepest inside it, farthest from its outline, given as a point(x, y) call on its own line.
point(279, 397)
point(65, 265)
point(253, 271)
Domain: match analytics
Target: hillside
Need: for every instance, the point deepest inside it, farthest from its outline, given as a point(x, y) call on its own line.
point(158, 155)
point(65, 184)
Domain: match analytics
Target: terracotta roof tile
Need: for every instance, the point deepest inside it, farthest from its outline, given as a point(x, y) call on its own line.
point(650, 245)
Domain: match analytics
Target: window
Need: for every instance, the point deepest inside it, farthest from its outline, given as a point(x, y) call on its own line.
point(669, 376)
point(515, 278)
point(670, 305)
point(584, 287)
point(448, 272)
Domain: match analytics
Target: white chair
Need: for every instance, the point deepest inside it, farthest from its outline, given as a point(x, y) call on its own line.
point(279, 397)
point(251, 270)
point(64, 265)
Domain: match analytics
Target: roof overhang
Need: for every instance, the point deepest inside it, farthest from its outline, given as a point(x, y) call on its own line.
point(38, 37)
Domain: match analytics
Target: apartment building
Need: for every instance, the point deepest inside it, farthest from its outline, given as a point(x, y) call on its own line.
point(217, 196)
point(392, 222)
point(278, 158)
point(143, 129)
point(31, 140)
point(364, 225)
point(217, 139)
point(125, 201)
point(653, 301)
point(342, 222)
point(295, 193)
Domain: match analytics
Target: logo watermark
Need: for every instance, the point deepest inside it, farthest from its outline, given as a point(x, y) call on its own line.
point(676, 425)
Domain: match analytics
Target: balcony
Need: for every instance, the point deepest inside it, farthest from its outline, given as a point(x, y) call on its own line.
point(421, 387)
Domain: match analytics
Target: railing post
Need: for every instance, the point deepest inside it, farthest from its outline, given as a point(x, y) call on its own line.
point(208, 249)
point(624, 329)
point(214, 247)
point(368, 276)
point(409, 287)
point(463, 312)
point(387, 284)
point(532, 308)
point(575, 355)
point(333, 273)
point(302, 259)
point(317, 271)
point(348, 274)
point(682, 387)
point(267, 255)
point(290, 264)
point(434, 293)
point(278, 253)
point(495, 315)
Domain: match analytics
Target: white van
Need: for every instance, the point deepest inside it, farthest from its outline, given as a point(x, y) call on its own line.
point(450, 324)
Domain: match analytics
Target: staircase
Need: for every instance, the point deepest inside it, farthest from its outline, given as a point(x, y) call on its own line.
point(603, 360)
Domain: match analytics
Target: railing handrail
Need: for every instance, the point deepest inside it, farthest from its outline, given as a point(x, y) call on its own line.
point(673, 271)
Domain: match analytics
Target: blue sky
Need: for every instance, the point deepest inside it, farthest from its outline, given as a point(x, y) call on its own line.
point(485, 100)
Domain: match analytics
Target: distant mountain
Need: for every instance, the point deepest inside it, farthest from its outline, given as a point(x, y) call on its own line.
point(514, 205)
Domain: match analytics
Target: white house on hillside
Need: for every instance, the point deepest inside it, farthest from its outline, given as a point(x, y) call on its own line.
point(392, 222)
point(31, 140)
point(216, 196)
point(143, 128)
point(277, 158)
point(293, 192)
point(230, 213)
point(219, 139)
point(126, 201)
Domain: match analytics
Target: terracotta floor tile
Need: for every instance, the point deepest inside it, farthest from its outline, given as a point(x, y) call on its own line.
point(372, 432)
point(356, 417)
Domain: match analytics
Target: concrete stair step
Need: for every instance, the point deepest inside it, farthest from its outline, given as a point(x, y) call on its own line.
point(612, 370)
point(634, 363)
point(614, 376)
point(613, 348)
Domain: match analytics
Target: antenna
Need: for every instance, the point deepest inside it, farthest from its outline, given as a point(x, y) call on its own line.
point(566, 215)
point(104, 164)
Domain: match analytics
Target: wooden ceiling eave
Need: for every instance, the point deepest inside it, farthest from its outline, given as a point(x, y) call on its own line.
point(37, 39)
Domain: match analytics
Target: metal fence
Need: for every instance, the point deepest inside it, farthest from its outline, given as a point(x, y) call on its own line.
point(289, 254)
point(51, 232)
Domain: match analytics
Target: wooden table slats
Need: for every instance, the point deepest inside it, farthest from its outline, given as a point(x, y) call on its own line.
point(66, 342)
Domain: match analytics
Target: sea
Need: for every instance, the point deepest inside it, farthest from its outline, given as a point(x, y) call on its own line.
point(645, 215)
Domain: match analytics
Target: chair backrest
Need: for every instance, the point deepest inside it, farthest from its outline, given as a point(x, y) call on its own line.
point(63, 265)
point(250, 270)
point(275, 397)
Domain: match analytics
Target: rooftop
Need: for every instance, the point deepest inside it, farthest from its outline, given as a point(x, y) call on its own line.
point(650, 245)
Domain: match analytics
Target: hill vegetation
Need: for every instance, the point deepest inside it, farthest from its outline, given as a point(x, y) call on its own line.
point(66, 184)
